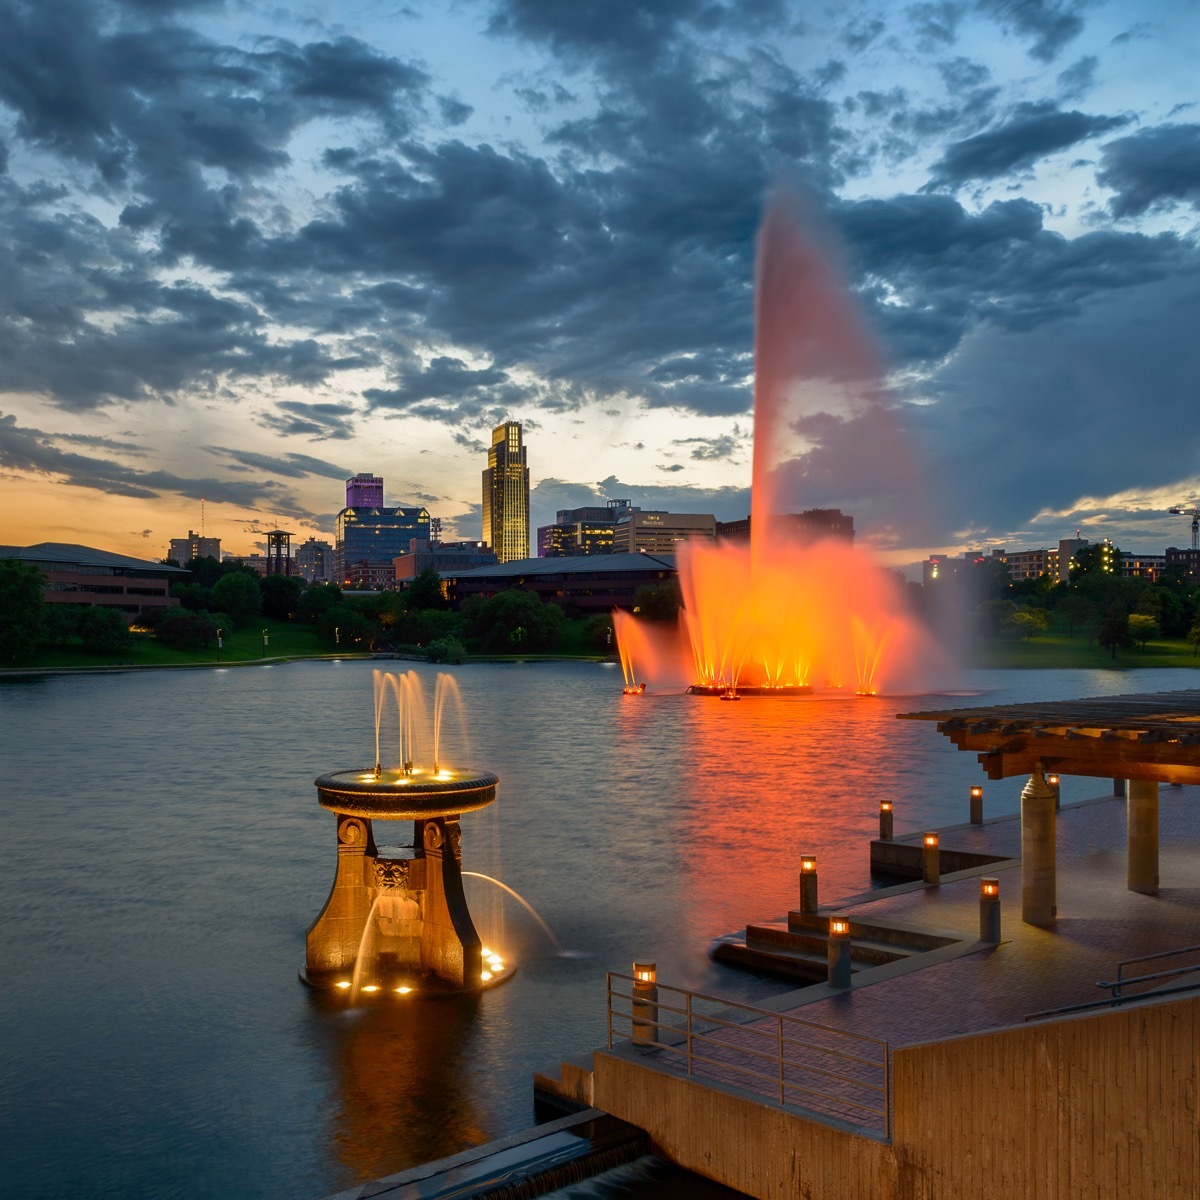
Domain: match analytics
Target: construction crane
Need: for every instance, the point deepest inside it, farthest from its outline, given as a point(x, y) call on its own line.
point(1180, 511)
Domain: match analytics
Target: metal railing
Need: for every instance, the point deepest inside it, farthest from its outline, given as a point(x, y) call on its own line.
point(1116, 987)
point(798, 1063)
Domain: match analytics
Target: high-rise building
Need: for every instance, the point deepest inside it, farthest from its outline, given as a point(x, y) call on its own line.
point(195, 545)
point(578, 531)
point(368, 537)
point(506, 494)
point(657, 532)
point(814, 524)
point(314, 561)
point(364, 491)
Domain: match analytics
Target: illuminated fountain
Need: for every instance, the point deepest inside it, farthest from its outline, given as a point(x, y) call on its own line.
point(784, 612)
point(398, 924)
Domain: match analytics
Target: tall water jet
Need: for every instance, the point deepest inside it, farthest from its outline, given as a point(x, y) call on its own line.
point(397, 923)
point(785, 611)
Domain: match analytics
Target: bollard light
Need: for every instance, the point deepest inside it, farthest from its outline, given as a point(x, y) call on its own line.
point(931, 866)
point(644, 1007)
point(989, 909)
point(886, 826)
point(838, 953)
point(1052, 780)
point(808, 883)
point(977, 805)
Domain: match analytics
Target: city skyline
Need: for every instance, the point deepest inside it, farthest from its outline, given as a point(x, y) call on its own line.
point(251, 253)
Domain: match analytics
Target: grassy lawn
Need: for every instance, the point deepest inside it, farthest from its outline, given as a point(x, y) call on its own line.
point(241, 645)
point(1058, 650)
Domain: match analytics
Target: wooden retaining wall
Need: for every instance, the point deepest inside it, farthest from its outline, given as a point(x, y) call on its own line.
point(1102, 1106)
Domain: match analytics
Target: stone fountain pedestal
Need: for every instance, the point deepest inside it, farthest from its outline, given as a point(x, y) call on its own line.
point(422, 924)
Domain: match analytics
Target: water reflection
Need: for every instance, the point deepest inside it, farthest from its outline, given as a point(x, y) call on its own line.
point(401, 1091)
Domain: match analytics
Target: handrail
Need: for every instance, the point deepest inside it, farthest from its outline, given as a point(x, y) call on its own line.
point(1122, 980)
point(1117, 984)
point(832, 1072)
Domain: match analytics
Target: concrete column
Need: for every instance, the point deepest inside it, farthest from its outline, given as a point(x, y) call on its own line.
point(1141, 815)
point(1038, 877)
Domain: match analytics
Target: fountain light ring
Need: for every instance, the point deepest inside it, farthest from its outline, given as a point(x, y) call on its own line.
point(404, 798)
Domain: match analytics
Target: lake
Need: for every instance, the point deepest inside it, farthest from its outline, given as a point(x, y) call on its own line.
point(163, 854)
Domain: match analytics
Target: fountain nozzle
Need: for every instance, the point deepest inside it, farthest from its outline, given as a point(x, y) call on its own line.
point(408, 767)
point(378, 769)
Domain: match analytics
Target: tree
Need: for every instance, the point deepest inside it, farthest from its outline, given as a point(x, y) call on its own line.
point(513, 620)
point(104, 631)
point(425, 591)
point(447, 650)
point(658, 601)
point(317, 599)
point(239, 595)
point(22, 607)
point(1077, 610)
point(1029, 622)
point(1114, 629)
point(1193, 638)
point(1143, 627)
point(597, 633)
point(60, 623)
point(346, 628)
point(281, 596)
point(186, 630)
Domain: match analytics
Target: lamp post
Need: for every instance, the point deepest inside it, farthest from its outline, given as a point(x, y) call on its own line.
point(838, 961)
point(220, 643)
point(265, 643)
point(645, 1003)
point(1056, 785)
point(977, 805)
point(989, 909)
point(808, 883)
point(931, 865)
point(886, 825)
point(337, 637)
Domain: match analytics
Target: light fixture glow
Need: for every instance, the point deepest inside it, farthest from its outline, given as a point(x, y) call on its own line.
point(485, 976)
point(371, 987)
point(989, 886)
point(343, 983)
point(931, 840)
point(403, 990)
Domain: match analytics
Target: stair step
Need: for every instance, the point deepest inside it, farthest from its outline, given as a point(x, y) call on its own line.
point(778, 960)
point(897, 936)
point(773, 936)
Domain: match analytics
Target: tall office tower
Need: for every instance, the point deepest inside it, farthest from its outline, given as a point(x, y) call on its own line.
point(368, 536)
point(506, 494)
point(364, 491)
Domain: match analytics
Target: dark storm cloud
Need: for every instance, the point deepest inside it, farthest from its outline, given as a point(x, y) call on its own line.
point(1049, 24)
point(711, 448)
point(291, 466)
point(1079, 78)
point(1152, 168)
point(629, 29)
point(316, 421)
point(34, 451)
point(1112, 383)
point(934, 272)
point(1032, 132)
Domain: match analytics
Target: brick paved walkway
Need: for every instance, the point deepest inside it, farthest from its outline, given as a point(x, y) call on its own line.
point(1099, 923)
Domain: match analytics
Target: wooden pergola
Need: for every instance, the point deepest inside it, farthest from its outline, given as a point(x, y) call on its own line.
point(1153, 736)
point(1144, 739)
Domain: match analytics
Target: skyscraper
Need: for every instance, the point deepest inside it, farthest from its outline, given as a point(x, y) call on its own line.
point(364, 490)
point(506, 494)
point(368, 536)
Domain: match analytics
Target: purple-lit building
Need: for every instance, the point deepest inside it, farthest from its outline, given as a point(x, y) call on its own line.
point(364, 491)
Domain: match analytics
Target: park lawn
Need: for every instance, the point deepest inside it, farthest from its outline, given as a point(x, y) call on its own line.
point(284, 640)
point(1060, 651)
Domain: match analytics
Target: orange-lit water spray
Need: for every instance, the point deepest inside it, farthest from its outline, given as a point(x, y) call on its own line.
point(785, 609)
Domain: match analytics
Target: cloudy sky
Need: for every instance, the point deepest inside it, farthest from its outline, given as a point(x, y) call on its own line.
point(249, 249)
